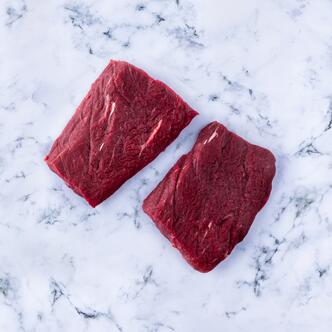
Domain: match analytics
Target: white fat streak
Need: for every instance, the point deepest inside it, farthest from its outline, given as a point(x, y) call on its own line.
point(109, 81)
point(208, 229)
point(152, 135)
point(205, 234)
point(107, 98)
point(112, 109)
point(213, 136)
point(107, 102)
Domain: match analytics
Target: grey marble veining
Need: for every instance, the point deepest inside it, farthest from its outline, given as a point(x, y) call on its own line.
point(263, 68)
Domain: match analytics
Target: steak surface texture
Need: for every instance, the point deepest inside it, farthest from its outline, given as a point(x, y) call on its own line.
point(208, 200)
point(124, 122)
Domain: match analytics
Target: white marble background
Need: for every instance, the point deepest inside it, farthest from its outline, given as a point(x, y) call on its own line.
point(261, 67)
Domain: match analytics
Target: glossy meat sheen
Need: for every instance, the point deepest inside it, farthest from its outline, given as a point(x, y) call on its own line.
point(123, 123)
point(207, 202)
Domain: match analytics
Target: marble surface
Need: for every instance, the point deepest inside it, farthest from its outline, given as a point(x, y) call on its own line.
point(263, 68)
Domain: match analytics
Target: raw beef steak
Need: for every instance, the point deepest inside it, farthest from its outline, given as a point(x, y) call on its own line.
point(123, 123)
point(207, 202)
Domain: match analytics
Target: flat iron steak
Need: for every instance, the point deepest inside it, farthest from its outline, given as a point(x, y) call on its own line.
point(124, 122)
point(207, 202)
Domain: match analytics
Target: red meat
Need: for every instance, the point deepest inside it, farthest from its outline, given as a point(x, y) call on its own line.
point(207, 202)
point(123, 123)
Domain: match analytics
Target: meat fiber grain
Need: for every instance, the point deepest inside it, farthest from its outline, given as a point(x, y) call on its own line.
point(124, 122)
point(207, 202)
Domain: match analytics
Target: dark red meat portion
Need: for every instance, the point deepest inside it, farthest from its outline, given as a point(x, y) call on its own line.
point(123, 123)
point(207, 202)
